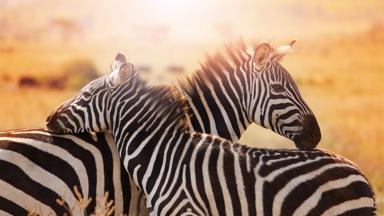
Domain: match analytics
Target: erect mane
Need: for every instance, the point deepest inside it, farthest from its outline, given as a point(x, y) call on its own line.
point(233, 55)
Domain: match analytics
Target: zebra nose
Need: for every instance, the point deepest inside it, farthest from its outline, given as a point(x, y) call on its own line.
point(310, 136)
point(52, 124)
point(49, 118)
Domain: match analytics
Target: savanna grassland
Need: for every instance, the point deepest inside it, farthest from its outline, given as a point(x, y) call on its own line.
point(341, 78)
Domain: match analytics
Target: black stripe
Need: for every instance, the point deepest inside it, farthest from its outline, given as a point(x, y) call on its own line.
point(215, 181)
point(200, 155)
point(52, 164)
point(359, 212)
point(17, 178)
point(228, 169)
point(303, 191)
point(11, 207)
point(331, 198)
point(270, 189)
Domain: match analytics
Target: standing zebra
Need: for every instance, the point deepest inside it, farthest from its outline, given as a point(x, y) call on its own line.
point(188, 173)
point(220, 115)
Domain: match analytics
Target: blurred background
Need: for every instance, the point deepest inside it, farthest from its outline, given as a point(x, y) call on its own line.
point(51, 48)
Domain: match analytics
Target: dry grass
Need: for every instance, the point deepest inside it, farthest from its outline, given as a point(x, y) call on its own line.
point(341, 79)
point(104, 207)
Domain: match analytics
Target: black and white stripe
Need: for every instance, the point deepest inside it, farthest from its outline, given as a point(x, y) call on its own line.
point(243, 86)
point(184, 173)
point(38, 167)
point(223, 92)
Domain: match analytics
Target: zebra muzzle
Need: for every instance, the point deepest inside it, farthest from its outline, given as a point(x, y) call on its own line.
point(53, 124)
point(310, 135)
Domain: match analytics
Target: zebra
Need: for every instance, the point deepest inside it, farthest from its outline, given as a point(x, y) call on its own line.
point(38, 167)
point(249, 85)
point(224, 125)
point(191, 173)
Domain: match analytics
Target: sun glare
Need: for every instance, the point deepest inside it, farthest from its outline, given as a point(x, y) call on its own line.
point(172, 11)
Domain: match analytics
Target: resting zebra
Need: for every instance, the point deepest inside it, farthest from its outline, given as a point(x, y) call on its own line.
point(225, 113)
point(189, 173)
point(218, 84)
point(242, 86)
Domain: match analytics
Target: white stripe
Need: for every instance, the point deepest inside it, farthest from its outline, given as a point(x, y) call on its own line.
point(228, 122)
point(240, 183)
point(177, 173)
point(163, 168)
point(60, 153)
point(171, 161)
point(22, 199)
point(223, 181)
point(118, 199)
point(259, 186)
point(37, 174)
point(192, 171)
point(238, 97)
point(208, 111)
point(207, 181)
point(77, 116)
point(277, 172)
point(72, 161)
point(100, 181)
point(184, 181)
point(3, 213)
point(172, 201)
point(283, 158)
point(348, 205)
point(179, 206)
point(292, 184)
point(140, 148)
point(194, 110)
point(313, 200)
point(152, 160)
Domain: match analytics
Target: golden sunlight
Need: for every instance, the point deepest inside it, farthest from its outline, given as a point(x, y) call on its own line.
point(49, 49)
point(172, 12)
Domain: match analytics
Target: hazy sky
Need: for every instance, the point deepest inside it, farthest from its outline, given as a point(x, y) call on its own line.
point(195, 19)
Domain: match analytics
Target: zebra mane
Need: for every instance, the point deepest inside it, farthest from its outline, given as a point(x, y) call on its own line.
point(220, 63)
point(168, 100)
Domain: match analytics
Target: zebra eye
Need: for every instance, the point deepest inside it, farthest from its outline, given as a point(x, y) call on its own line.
point(86, 94)
point(277, 88)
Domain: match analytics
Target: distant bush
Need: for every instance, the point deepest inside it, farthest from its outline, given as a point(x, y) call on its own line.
point(175, 69)
point(28, 82)
point(77, 73)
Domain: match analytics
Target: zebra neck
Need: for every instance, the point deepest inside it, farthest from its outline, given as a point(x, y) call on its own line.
point(145, 155)
point(215, 107)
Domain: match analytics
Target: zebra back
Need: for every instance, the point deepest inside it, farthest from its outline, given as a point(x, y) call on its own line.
point(39, 167)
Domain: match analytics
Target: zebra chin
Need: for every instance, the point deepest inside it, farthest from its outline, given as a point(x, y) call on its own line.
point(310, 136)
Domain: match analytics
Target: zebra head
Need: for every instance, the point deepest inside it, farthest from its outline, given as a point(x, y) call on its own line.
point(278, 104)
point(90, 110)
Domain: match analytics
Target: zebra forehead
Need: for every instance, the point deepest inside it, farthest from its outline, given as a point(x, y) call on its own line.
point(93, 84)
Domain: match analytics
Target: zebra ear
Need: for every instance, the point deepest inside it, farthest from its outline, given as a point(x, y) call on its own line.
point(119, 61)
point(283, 50)
point(122, 71)
point(125, 72)
point(262, 54)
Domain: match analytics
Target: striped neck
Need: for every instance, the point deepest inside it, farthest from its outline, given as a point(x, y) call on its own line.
point(143, 122)
point(217, 95)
